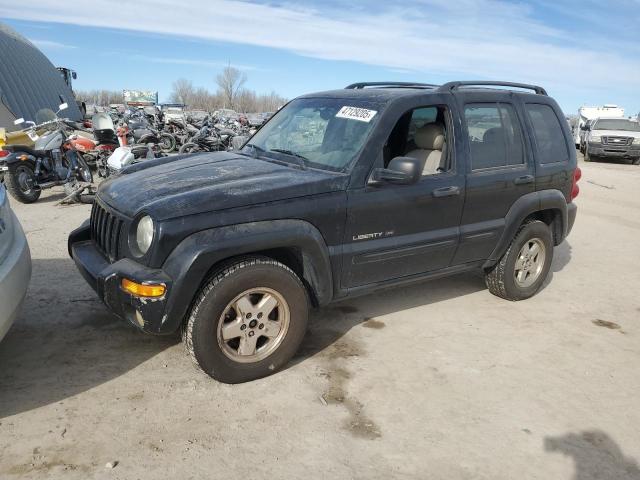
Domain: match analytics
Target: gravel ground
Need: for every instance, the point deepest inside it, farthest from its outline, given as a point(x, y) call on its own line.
point(439, 380)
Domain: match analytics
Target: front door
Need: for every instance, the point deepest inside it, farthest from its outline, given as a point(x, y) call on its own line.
point(395, 231)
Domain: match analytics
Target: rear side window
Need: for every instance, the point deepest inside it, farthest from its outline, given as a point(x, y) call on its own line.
point(495, 136)
point(552, 147)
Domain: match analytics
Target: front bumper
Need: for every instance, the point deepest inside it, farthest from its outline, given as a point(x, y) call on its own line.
point(15, 273)
point(148, 314)
point(614, 151)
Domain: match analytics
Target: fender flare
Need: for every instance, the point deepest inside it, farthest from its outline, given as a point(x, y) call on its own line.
point(192, 260)
point(13, 159)
point(523, 207)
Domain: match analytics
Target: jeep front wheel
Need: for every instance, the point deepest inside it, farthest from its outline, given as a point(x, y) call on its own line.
point(523, 268)
point(248, 320)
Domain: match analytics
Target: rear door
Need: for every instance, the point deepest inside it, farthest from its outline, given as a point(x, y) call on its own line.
point(500, 170)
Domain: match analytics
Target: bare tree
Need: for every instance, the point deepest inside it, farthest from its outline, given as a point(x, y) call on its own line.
point(183, 91)
point(100, 97)
point(230, 82)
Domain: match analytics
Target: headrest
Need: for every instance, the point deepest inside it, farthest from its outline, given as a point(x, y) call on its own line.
point(493, 135)
point(430, 137)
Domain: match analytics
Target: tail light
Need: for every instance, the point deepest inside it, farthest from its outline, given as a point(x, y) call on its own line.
point(575, 189)
point(3, 153)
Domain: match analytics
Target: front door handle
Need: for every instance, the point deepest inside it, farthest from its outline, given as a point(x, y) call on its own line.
point(446, 192)
point(524, 180)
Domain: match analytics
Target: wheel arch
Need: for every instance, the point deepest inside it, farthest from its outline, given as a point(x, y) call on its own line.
point(295, 243)
point(549, 206)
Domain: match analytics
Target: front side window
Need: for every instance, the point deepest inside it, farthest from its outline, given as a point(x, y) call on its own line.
point(321, 132)
point(495, 136)
point(550, 141)
point(421, 133)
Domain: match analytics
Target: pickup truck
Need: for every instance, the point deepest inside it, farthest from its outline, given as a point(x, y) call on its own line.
point(612, 138)
point(340, 193)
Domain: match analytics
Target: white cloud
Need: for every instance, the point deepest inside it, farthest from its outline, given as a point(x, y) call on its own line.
point(190, 61)
point(466, 38)
point(50, 44)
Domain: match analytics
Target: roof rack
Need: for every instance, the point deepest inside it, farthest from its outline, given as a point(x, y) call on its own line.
point(482, 83)
point(361, 85)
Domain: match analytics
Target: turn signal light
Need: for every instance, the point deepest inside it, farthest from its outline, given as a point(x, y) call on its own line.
point(142, 290)
point(3, 153)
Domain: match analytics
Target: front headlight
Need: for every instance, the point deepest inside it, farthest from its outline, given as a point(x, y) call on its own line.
point(596, 139)
point(144, 234)
point(636, 141)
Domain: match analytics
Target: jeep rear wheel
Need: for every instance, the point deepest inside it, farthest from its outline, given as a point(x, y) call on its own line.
point(248, 320)
point(523, 268)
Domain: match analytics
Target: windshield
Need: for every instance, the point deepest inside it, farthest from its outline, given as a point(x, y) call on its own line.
point(621, 124)
point(324, 133)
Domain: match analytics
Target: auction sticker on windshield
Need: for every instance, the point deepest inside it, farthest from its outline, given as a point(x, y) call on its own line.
point(355, 113)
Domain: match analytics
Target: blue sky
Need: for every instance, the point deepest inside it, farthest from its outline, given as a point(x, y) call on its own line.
point(582, 51)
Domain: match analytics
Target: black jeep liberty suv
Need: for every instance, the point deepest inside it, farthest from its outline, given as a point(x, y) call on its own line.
point(340, 193)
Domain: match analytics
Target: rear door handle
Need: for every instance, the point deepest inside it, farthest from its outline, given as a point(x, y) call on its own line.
point(523, 180)
point(446, 192)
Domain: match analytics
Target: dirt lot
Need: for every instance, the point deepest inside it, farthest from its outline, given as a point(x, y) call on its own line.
point(439, 380)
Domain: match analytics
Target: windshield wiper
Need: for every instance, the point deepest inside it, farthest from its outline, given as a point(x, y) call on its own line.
point(255, 150)
point(300, 158)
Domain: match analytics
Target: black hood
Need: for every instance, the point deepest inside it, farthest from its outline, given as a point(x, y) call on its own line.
point(177, 186)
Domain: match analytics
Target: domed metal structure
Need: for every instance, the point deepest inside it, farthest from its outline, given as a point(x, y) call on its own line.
point(29, 82)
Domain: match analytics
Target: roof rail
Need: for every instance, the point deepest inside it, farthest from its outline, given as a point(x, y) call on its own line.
point(361, 85)
point(451, 86)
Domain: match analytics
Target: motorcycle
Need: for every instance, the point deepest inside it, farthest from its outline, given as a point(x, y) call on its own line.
point(209, 139)
point(54, 160)
point(180, 129)
point(115, 152)
point(140, 131)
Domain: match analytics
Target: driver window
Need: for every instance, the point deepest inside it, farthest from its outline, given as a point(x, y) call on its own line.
point(421, 133)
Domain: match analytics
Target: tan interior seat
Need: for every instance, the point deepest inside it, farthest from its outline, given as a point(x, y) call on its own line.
point(430, 142)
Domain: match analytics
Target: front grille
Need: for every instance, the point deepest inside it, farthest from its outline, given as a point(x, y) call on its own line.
point(105, 231)
point(617, 141)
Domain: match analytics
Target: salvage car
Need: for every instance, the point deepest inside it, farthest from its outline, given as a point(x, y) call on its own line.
point(15, 264)
point(612, 138)
point(340, 193)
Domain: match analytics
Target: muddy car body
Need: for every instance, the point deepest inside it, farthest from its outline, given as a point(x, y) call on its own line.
point(339, 194)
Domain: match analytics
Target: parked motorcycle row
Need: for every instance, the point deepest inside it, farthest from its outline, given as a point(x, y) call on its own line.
point(69, 153)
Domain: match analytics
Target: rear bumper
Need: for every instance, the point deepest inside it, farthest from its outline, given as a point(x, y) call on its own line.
point(148, 314)
point(572, 210)
point(15, 273)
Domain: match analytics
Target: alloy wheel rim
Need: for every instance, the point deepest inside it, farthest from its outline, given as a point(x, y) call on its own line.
point(530, 262)
point(253, 325)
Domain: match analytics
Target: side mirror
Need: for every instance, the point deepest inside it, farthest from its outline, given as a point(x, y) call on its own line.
point(400, 171)
point(63, 106)
point(18, 121)
point(74, 75)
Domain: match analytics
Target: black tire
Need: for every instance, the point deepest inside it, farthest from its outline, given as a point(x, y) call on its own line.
point(501, 279)
point(200, 334)
point(636, 161)
point(21, 183)
point(167, 143)
point(189, 148)
point(84, 173)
